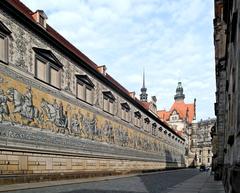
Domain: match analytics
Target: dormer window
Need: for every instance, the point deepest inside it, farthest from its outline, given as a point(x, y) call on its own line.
point(84, 88)
point(47, 67)
point(125, 109)
point(108, 102)
point(4, 33)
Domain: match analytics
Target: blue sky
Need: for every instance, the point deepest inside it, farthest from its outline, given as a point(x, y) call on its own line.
point(171, 39)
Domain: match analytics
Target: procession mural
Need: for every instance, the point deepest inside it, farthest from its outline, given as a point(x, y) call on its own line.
point(37, 107)
point(24, 105)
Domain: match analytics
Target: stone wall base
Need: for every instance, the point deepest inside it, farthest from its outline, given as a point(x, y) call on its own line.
point(17, 167)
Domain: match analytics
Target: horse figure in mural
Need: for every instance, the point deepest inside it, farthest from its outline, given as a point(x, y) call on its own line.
point(55, 115)
point(23, 105)
point(89, 127)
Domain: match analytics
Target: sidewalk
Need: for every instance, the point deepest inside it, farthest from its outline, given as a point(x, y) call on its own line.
point(202, 183)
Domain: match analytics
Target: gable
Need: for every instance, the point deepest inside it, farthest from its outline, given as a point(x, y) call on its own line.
point(48, 55)
point(109, 95)
point(85, 79)
point(4, 29)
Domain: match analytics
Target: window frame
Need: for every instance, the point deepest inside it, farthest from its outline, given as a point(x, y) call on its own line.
point(85, 88)
point(4, 34)
point(137, 119)
point(49, 65)
point(154, 129)
point(125, 112)
point(109, 99)
point(146, 124)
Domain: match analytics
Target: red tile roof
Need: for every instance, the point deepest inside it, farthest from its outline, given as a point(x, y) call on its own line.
point(18, 5)
point(163, 114)
point(145, 104)
point(185, 111)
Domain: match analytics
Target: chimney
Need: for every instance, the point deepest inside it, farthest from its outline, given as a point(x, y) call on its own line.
point(102, 69)
point(40, 17)
point(154, 99)
point(132, 94)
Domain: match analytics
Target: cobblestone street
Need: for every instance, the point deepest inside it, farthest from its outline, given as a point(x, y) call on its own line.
point(182, 181)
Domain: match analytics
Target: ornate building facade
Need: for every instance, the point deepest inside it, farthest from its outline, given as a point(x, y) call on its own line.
point(227, 107)
point(60, 112)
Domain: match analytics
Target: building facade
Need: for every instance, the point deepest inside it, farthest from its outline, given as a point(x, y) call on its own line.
point(60, 112)
point(227, 106)
point(201, 142)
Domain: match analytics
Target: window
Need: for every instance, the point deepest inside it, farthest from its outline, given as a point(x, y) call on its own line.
point(200, 152)
point(200, 160)
point(3, 49)
point(137, 119)
point(108, 102)
point(147, 124)
point(209, 152)
point(154, 129)
point(125, 112)
point(84, 88)
point(41, 68)
point(54, 77)
point(47, 67)
point(4, 33)
point(208, 159)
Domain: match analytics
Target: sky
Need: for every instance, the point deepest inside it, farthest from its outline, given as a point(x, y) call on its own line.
point(171, 39)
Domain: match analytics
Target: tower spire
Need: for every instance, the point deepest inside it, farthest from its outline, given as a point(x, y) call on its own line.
point(143, 95)
point(143, 78)
point(179, 92)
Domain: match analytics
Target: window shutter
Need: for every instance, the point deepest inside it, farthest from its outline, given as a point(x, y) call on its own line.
point(111, 107)
point(89, 97)
point(81, 91)
point(2, 49)
point(54, 77)
point(105, 104)
point(41, 70)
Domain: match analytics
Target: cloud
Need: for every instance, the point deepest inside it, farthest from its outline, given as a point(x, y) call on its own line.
point(171, 39)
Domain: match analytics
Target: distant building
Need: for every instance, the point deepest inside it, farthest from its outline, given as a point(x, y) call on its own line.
point(201, 146)
point(180, 116)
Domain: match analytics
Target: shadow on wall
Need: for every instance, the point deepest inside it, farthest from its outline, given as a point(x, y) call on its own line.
point(183, 161)
point(170, 161)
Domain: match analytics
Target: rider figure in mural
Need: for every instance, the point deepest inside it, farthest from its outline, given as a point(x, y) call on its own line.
point(27, 107)
point(60, 119)
point(4, 110)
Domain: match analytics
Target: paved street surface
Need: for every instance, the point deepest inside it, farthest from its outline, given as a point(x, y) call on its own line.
point(180, 181)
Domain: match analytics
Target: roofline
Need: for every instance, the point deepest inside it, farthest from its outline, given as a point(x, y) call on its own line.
point(23, 15)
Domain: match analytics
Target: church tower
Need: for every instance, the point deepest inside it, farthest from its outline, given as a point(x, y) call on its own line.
point(179, 96)
point(143, 95)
